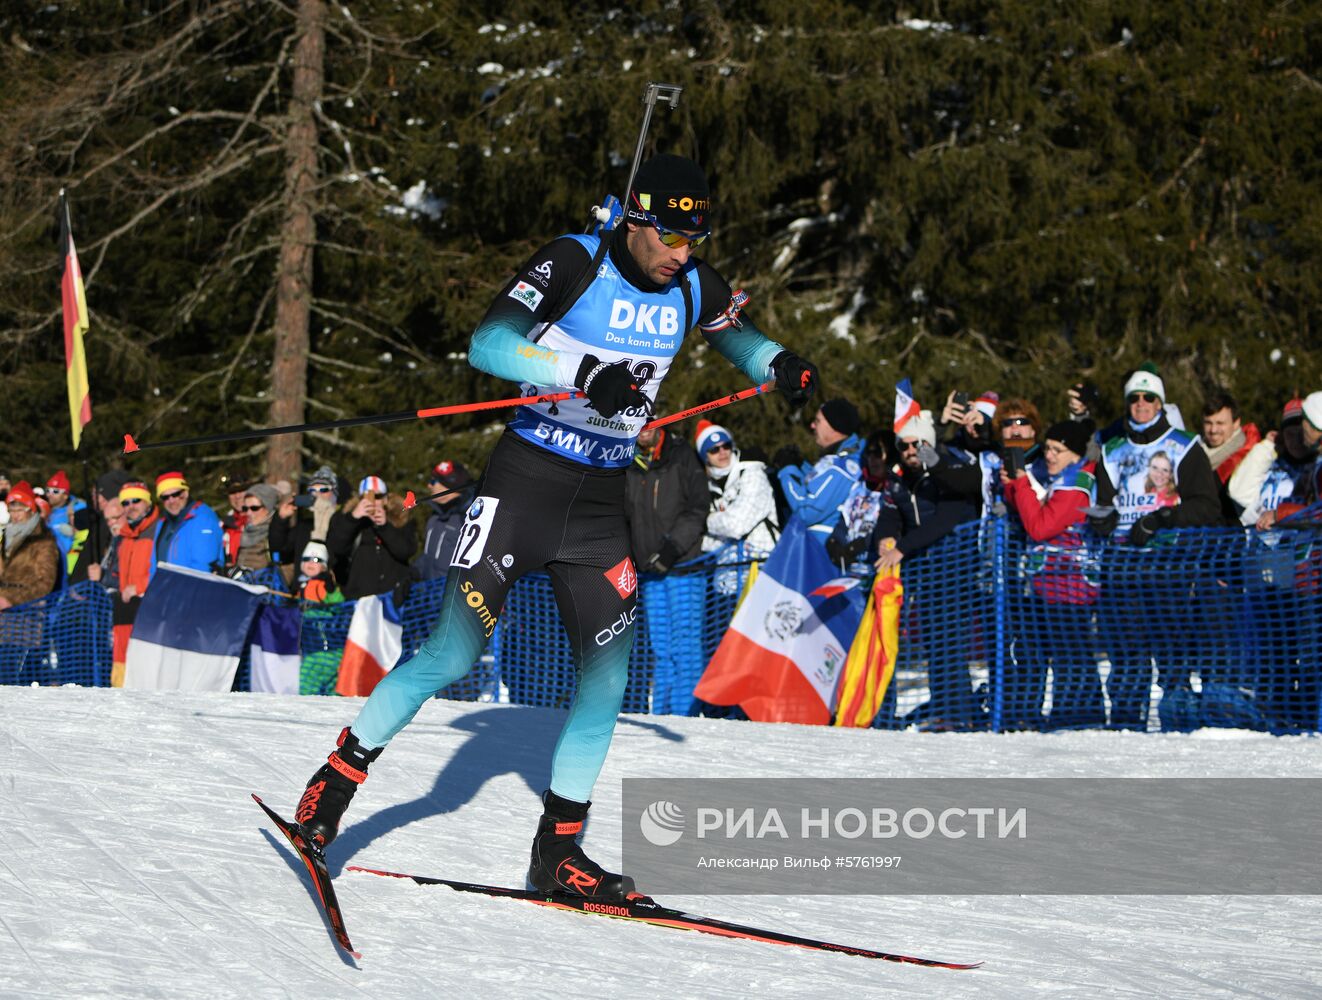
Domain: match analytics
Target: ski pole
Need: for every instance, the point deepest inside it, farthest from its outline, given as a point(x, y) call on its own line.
point(411, 501)
point(734, 397)
point(131, 446)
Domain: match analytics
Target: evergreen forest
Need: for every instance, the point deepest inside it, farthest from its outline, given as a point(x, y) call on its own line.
point(298, 210)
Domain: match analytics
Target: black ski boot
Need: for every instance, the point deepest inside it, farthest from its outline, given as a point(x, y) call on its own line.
point(328, 793)
point(558, 863)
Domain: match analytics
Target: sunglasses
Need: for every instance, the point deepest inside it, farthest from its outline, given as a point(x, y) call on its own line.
point(320, 489)
point(1016, 422)
point(314, 559)
point(1143, 397)
point(675, 239)
point(908, 446)
point(132, 500)
point(173, 495)
point(721, 447)
point(253, 509)
point(55, 489)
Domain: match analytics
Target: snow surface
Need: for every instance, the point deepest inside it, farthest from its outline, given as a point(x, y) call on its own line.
point(134, 864)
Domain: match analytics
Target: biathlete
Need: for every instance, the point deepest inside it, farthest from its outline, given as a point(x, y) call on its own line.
point(607, 321)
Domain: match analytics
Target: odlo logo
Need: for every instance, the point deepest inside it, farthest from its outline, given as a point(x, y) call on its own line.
point(617, 627)
point(475, 600)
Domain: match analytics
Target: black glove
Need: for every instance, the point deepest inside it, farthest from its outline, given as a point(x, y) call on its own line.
point(1104, 524)
point(666, 557)
point(1149, 524)
point(795, 377)
point(610, 388)
point(788, 454)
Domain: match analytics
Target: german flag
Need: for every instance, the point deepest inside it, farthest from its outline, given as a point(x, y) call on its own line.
point(75, 325)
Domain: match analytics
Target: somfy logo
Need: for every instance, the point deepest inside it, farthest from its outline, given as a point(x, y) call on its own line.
point(662, 823)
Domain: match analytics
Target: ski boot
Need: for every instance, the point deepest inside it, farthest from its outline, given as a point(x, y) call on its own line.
point(328, 792)
point(559, 865)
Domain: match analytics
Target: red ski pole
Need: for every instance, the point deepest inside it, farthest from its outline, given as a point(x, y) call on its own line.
point(131, 446)
point(692, 411)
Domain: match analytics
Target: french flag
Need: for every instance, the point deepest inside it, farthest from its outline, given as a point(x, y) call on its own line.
point(781, 658)
point(274, 652)
point(376, 640)
point(906, 407)
point(190, 631)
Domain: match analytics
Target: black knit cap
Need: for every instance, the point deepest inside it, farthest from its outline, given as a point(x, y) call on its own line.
point(1072, 434)
point(674, 190)
point(842, 415)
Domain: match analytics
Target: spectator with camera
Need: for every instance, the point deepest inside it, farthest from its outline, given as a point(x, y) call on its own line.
point(453, 488)
point(306, 517)
point(1064, 586)
point(918, 509)
point(374, 535)
point(815, 492)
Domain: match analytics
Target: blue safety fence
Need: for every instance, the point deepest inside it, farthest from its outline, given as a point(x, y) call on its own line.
point(1205, 627)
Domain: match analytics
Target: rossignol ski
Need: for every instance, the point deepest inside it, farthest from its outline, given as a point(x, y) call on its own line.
point(646, 910)
point(321, 880)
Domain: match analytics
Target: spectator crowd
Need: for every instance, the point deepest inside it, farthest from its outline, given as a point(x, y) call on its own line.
point(874, 498)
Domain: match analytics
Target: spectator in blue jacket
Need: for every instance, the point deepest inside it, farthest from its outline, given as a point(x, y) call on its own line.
point(189, 532)
point(816, 492)
point(68, 520)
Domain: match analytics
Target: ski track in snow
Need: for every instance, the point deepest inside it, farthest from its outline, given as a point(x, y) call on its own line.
point(134, 864)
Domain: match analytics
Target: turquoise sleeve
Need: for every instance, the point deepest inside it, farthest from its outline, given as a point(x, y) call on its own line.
point(500, 347)
point(747, 348)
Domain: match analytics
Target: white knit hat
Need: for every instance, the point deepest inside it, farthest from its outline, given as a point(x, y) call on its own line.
point(1146, 381)
point(316, 550)
point(919, 428)
point(1313, 409)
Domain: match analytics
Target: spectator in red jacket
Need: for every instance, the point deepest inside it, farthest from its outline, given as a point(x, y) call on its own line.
point(1064, 585)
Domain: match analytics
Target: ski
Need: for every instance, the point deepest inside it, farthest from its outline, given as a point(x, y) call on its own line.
point(321, 880)
point(648, 911)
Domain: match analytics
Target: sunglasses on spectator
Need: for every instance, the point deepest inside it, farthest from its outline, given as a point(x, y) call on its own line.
point(253, 508)
point(908, 446)
point(1143, 397)
point(314, 559)
point(722, 447)
point(55, 489)
point(172, 495)
point(133, 500)
point(320, 489)
point(1016, 422)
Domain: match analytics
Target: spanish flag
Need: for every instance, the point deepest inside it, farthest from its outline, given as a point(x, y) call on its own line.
point(75, 325)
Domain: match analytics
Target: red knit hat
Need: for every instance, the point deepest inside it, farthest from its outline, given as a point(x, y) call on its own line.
point(22, 493)
point(59, 481)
